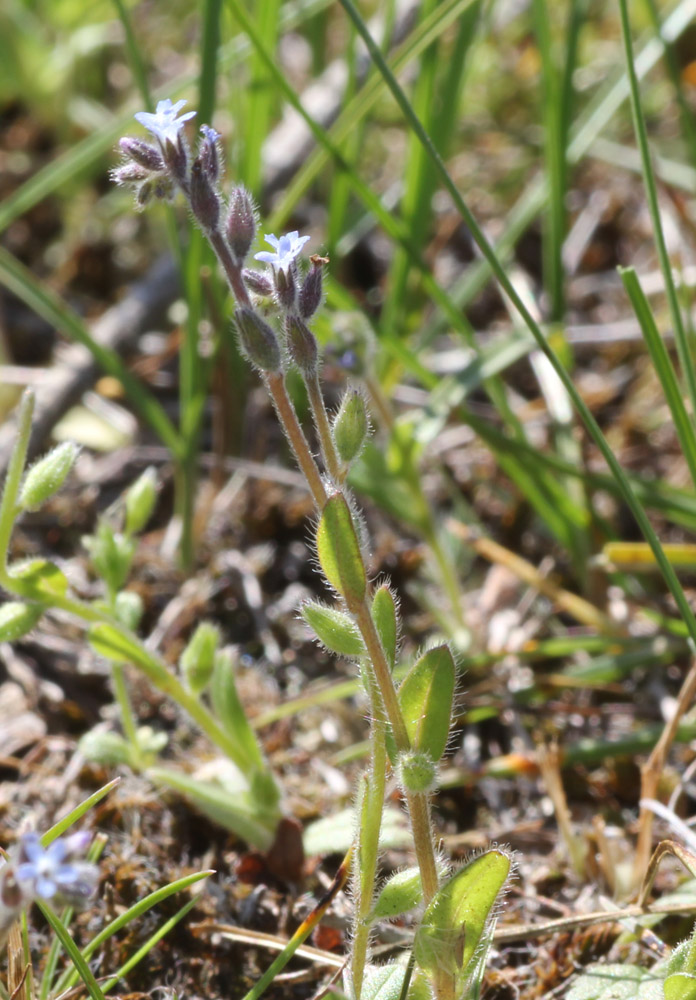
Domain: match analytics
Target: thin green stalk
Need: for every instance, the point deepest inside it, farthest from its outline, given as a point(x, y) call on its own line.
point(499, 271)
point(321, 420)
point(664, 368)
point(303, 931)
point(367, 854)
point(134, 55)
point(275, 383)
point(15, 471)
point(683, 348)
point(72, 950)
point(130, 729)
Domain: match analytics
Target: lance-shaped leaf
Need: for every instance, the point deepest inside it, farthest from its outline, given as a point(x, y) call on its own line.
point(339, 551)
point(401, 892)
point(108, 642)
point(455, 922)
point(386, 620)
point(425, 696)
point(334, 628)
point(38, 579)
point(228, 708)
point(385, 982)
point(17, 618)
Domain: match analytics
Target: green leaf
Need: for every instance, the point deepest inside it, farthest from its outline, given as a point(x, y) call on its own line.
point(38, 580)
point(401, 892)
point(455, 922)
point(617, 982)
point(336, 833)
point(386, 621)
point(334, 628)
point(339, 551)
point(17, 618)
point(230, 711)
point(425, 696)
point(234, 812)
point(680, 986)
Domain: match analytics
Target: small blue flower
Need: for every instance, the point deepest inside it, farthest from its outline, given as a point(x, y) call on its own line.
point(286, 249)
point(163, 123)
point(49, 870)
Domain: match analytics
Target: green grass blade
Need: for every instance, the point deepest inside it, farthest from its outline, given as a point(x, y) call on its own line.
point(261, 99)
point(663, 366)
point(166, 927)
point(83, 970)
point(683, 348)
point(54, 310)
point(70, 976)
point(557, 94)
point(419, 39)
point(502, 277)
point(390, 224)
point(59, 828)
point(81, 157)
point(210, 51)
point(135, 58)
point(685, 111)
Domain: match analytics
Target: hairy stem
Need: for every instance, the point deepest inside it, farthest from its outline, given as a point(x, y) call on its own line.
point(321, 419)
point(275, 384)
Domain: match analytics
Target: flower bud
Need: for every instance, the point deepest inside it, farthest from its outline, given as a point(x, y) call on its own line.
point(176, 156)
point(258, 341)
point(350, 426)
point(143, 153)
point(209, 153)
point(128, 608)
point(302, 345)
point(143, 196)
point(257, 282)
point(205, 202)
point(241, 223)
point(47, 476)
point(417, 771)
point(310, 293)
point(129, 173)
point(140, 501)
point(197, 660)
point(285, 287)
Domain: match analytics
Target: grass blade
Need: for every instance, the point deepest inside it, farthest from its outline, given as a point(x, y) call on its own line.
point(505, 283)
point(82, 969)
point(663, 366)
point(683, 347)
point(52, 308)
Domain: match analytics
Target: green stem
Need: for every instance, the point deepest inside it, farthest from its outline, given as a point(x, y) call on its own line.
point(8, 505)
point(321, 420)
point(275, 383)
point(685, 359)
point(127, 718)
point(367, 855)
point(302, 932)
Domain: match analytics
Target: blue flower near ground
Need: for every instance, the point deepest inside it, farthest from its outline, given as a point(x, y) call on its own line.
point(164, 124)
point(286, 249)
point(50, 870)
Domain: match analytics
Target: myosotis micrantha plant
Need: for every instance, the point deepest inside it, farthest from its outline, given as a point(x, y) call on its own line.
point(411, 722)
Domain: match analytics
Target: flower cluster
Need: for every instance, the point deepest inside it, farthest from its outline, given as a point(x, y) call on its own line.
point(230, 225)
point(53, 873)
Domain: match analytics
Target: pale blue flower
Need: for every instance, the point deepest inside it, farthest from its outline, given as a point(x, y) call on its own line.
point(164, 123)
point(50, 871)
point(286, 249)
